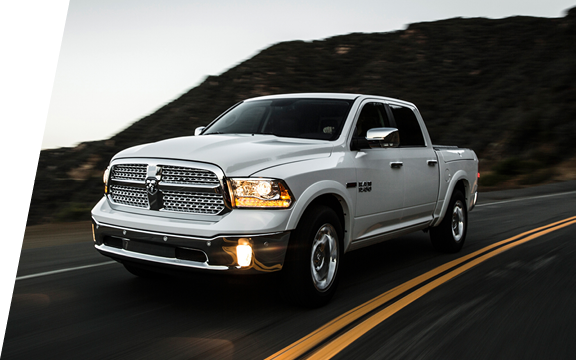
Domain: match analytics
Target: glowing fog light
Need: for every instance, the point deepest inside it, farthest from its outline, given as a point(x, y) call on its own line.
point(244, 253)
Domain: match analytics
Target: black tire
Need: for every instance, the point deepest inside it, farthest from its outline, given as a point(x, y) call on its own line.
point(450, 235)
point(310, 273)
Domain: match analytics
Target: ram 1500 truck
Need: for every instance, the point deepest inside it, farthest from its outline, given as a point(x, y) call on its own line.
point(285, 183)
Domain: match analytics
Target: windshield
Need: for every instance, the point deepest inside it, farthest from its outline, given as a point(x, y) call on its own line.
point(299, 118)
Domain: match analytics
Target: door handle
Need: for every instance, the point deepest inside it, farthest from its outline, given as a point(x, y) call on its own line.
point(396, 164)
point(432, 162)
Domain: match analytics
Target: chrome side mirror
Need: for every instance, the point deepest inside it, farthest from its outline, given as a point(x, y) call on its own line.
point(383, 138)
point(199, 130)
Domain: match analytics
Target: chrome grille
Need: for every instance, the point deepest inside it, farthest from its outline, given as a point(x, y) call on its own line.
point(131, 172)
point(188, 176)
point(181, 189)
point(129, 195)
point(193, 202)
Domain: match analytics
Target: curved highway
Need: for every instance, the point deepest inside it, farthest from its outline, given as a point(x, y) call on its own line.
point(508, 294)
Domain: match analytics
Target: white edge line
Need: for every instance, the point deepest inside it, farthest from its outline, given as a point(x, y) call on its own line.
point(525, 198)
point(63, 270)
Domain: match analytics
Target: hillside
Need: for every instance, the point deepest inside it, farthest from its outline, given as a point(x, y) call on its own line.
point(505, 88)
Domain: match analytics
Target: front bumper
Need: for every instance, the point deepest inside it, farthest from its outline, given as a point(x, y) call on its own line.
point(190, 253)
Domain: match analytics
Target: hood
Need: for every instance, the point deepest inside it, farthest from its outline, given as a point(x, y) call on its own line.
point(236, 155)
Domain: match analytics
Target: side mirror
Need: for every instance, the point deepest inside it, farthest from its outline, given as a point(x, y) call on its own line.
point(383, 138)
point(199, 130)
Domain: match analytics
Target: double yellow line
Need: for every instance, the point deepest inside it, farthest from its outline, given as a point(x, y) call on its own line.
point(333, 337)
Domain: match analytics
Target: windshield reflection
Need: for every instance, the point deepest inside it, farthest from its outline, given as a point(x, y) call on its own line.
point(320, 119)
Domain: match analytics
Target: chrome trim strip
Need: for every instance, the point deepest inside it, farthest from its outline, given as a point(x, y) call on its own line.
point(170, 162)
point(374, 239)
point(200, 187)
point(160, 259)
point(132, 182)
point(474, 200)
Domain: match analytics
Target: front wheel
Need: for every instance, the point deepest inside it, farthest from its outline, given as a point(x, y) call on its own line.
point(313, 258)
point(449, 236)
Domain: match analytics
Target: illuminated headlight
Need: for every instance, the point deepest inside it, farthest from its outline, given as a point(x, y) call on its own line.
point(259, 193)
point(105, 179)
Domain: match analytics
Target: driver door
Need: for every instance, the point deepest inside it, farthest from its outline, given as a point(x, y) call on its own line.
point(380, 182)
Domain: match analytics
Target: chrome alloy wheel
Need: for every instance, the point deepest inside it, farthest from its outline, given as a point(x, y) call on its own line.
point(458, 221)
point(324, 258)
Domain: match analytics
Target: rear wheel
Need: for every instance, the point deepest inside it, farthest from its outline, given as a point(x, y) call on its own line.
point(449, 236)
point(313, 258)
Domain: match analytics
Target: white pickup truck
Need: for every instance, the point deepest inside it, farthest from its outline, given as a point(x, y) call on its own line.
point(285, 183)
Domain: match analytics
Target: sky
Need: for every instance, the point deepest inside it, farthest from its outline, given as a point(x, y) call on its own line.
point(120, 60)
point(81, 70)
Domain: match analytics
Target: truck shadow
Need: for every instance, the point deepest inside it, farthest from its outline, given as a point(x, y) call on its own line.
point(383, 263)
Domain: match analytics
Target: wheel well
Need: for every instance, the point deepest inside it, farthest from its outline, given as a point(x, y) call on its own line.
point(460, 185)
point(333, 202)
point(464, 187)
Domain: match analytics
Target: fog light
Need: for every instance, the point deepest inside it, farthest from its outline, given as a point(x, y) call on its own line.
point(244, 253)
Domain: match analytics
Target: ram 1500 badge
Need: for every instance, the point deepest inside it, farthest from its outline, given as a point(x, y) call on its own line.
point(285, 183)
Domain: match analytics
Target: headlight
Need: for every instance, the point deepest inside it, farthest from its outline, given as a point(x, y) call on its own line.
point(259, 193)
point(105, 179)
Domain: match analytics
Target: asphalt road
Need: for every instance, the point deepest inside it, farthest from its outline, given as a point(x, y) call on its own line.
point(515, 304)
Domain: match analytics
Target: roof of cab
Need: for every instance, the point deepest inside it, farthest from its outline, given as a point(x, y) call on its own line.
point(342, 96)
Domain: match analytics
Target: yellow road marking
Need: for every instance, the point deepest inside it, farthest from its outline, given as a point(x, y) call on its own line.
point(336, 345)
point(332, 348)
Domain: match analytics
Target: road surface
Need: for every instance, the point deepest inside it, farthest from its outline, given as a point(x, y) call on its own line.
point(508, 294)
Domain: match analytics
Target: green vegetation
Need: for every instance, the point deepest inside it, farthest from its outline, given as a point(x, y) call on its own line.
point(504, 88)
point(74, 212)
point(527, 171)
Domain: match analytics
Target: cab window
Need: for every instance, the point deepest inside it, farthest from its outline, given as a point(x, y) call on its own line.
point(373, 115)
point(408, 126)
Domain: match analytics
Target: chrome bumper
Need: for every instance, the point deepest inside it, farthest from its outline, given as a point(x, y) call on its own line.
point(188, 252)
